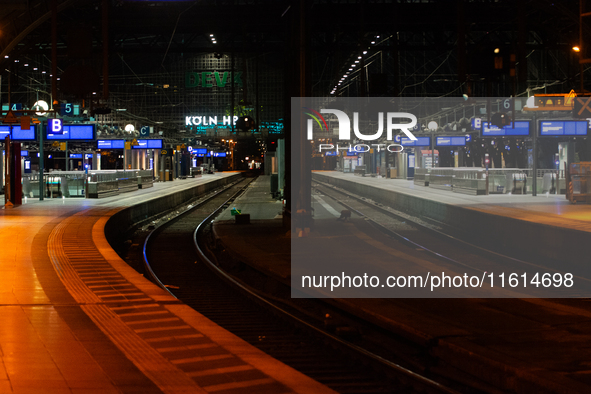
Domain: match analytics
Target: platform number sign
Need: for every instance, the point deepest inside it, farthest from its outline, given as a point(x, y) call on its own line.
point(69, 109)
point(145, 131)
point(11, 107)
point(56, 126)
point(507, 105)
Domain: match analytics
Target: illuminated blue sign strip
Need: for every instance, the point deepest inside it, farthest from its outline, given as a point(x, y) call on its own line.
point(518, 128)
point(216, 154)
point(24, 153)
point(421, 141)
point(563, 128)
point(73, 132)
point(450, 141)
point(148, 144)
point(110, 144)
point(16, 133)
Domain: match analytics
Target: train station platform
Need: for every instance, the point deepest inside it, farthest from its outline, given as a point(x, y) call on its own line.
point(265, 243)
point(77, 319)
point(514, 223)
point(496, 345)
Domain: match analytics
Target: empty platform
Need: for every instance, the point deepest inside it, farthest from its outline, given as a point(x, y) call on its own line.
point(78, 319)
point(546, 225)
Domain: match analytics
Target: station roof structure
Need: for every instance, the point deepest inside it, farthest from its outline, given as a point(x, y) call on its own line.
point(404, 48)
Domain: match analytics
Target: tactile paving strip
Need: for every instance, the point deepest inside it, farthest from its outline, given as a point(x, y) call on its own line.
point(173, 354)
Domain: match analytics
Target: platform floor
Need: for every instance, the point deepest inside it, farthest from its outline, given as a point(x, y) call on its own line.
point(256, 201)
point(265, 242)
point(76, 319)
point(550, 209)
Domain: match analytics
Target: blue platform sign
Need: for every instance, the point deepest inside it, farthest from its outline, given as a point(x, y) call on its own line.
point(420, 141)
point(148, 144)
point(518, 128)
point(13, 107)
point(450, 141)
point(55, 126)
point(16, 133)
point(215, 154)
point(69, 109)
point(73, 132)
point(110, 144)
point(563, 128)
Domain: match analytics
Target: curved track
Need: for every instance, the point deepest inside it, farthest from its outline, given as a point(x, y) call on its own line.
point(185, 269)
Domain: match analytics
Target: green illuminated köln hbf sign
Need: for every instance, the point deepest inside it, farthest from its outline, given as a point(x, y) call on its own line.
point(209, 79)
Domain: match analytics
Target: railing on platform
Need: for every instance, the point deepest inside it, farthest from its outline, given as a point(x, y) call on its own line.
point(95, 184)
point(421, 177)
point(500, 180)
point(579, 187)
point(145, 179)
point(56, 184)
point(195, 172)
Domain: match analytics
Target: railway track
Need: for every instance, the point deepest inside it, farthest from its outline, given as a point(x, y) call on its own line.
point(181, 263)
point(435, 239)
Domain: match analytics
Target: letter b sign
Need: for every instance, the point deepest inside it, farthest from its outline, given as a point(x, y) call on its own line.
point(55, 126)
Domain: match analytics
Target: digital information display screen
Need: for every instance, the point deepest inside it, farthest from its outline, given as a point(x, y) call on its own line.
point(450, 141)
point(216, 154)
point(73, 132)
point(110, 144)
point(148, 144)
point(16, 133)
point(563, 127)
point(421, 141)
point(520, 128)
